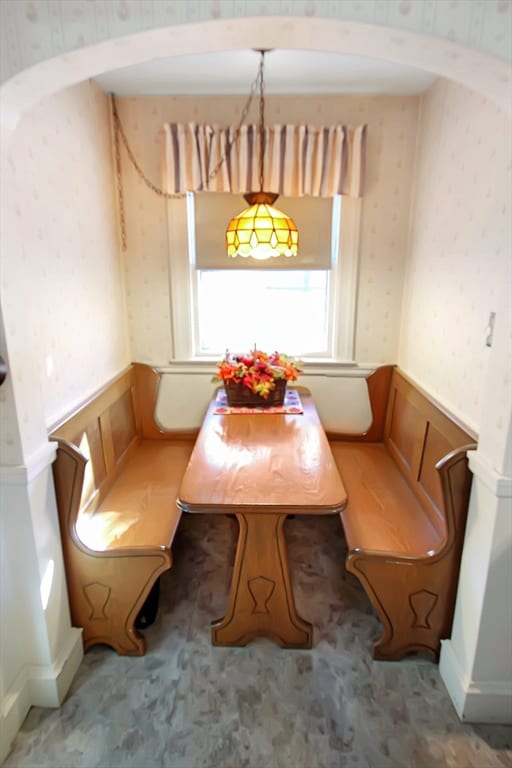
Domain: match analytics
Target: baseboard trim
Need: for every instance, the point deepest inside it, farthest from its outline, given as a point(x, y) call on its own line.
point(49, 685)
point(489, 703)
point(474, 701)
point(15, 706)
point(38, 686)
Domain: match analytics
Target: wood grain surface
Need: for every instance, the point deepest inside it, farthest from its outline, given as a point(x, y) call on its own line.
point(262, 467)
point(116, 492)
point(275, 462)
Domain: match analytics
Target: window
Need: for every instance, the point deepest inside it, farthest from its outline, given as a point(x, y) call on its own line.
point(285, 310)
point(303, 306)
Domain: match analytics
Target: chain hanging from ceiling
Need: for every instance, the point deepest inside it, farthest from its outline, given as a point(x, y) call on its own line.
point(120, 138)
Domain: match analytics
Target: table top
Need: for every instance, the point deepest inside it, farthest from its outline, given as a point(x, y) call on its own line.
point(264, 462)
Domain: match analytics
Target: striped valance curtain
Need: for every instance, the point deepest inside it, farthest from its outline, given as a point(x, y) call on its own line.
point(299, 160)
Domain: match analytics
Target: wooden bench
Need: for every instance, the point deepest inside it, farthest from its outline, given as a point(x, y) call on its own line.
point(116, 476)
point(408, 488)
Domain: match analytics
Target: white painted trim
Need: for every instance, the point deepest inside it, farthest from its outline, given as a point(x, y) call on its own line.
point(452, 675)
point(474, 701)
point(180, 276)
point(50, 684)
point(346, 276)
point(488, 703)
point(38, 686)
point(345, 370)
point(15, 706)
point(500, 485)
point(23, 474)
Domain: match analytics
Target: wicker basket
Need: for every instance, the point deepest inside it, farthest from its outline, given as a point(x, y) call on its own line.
point(241, 396)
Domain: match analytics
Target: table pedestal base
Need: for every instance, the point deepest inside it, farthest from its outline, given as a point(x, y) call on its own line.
point(261, 599)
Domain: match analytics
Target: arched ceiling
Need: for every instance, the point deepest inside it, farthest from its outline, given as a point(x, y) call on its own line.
point(286, 72)
point(439, 57)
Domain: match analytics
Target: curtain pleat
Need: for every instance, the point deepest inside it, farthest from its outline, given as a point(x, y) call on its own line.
point(299, 160)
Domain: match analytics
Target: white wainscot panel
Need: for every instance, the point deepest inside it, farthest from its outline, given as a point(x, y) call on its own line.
point(183, 399)
point(342, 400)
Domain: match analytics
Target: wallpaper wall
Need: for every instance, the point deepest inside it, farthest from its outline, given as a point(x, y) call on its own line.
point(33, 30)
point(460, 255)
point(391, 145)
point(61, 277)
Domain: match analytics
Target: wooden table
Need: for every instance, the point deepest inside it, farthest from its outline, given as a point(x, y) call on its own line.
point(261, 468)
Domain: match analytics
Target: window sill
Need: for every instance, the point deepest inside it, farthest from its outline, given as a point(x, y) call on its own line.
point(311, 368)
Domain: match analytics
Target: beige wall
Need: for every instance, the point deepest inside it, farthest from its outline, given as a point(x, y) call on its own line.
point(391, 144)
point(460, 253)
point(61, 276)
point(62, 299)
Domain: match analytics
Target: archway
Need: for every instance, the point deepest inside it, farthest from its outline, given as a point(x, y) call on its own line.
point(482, 73)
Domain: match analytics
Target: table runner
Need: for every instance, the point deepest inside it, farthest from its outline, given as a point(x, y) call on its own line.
point(292, 404)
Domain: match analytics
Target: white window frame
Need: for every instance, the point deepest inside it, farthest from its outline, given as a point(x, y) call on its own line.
point(342, 289)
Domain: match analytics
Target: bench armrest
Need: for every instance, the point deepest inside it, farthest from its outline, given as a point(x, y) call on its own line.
point(456, 479)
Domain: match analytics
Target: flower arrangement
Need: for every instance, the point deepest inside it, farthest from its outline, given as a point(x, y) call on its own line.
point(258, 373)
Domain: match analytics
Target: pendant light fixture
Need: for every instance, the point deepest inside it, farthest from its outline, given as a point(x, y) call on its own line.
point(262, 231)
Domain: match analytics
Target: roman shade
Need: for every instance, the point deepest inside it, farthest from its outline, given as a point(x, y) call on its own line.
point(313, 216)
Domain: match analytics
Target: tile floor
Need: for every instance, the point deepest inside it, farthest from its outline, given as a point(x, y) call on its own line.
point(187, 704)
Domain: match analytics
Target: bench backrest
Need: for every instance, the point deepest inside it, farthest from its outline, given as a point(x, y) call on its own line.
point(426, 444)
point(103, 430)
point(97, 438)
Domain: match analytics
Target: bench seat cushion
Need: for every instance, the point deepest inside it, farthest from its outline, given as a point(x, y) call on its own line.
point(140, 508)
point(382, 513)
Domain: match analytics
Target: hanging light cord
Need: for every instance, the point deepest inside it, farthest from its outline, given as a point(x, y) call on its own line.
point(119, 185)
point(262, 116)
point(119, 134)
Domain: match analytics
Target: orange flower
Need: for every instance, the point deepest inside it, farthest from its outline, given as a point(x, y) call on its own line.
point(257, 370)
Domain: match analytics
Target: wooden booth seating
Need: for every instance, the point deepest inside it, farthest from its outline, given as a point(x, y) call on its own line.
point(116, 476)
point(408, 486)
